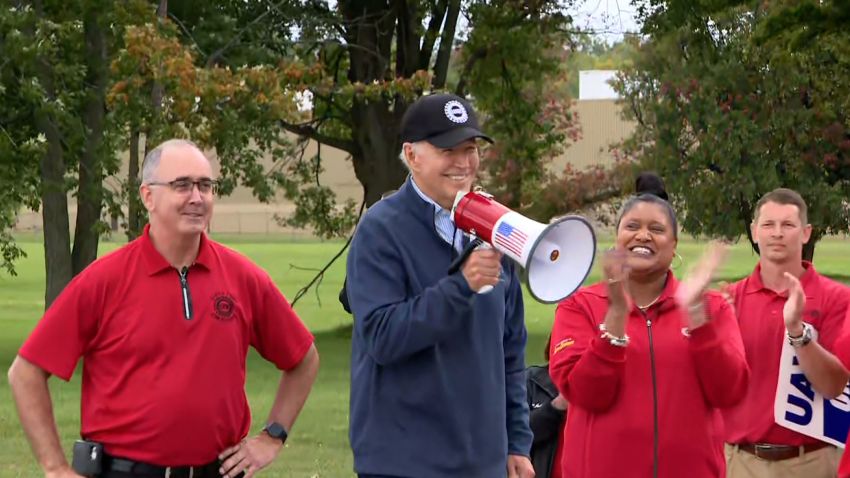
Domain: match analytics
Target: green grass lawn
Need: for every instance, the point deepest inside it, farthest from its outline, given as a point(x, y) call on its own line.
point(319, 442)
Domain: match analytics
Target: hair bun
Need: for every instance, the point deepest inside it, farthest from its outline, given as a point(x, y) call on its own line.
point(650, 183)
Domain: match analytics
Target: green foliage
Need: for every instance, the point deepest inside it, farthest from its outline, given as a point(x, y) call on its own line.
point(229, 74)
point(43, 74)
point(802, 22)
point(236, 112)
point(362, 64)
point(518, 84)
point(725, 117)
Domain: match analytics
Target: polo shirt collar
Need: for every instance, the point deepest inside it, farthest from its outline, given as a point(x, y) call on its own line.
point(755, 284)
point(156, 263)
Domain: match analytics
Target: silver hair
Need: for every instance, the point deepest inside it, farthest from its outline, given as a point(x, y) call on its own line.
point(401, 156)
point(151, 162)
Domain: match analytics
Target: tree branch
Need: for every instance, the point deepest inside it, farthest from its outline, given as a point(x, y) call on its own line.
point(310, 132)
point(441, 66)
point(467, 69)
point(438, 13)
point(332, 105)
point(321, 274)
point(6, 133)
point(407, 40)
point(187, 33)
point(362, 48)
point(216, 55)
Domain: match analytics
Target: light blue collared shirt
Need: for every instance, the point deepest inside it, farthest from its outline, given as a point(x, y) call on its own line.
point(442, 220)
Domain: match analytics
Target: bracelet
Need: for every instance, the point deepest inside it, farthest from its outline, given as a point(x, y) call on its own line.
point(700, 307)
point(803, 339)
point(613, 339)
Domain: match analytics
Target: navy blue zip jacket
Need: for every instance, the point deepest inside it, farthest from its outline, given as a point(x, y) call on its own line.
point(437, 371)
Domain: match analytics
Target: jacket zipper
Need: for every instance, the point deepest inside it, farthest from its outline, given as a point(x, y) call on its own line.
point(654, 399)
point(187, 295)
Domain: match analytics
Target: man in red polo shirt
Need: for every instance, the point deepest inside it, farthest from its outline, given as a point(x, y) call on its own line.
point(782, 300)
point(164, 324)
point(842, 350)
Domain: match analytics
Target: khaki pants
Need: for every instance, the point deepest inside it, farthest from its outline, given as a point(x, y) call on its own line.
point(821, 463)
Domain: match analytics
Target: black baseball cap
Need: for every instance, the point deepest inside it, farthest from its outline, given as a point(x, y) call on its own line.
point(444, 120)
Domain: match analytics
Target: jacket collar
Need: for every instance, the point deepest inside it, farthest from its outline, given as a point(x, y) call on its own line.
point(665, 301)
point(419, 208)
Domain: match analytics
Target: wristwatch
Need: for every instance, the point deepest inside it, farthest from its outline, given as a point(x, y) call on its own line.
point(803, 339)
point(276, 430)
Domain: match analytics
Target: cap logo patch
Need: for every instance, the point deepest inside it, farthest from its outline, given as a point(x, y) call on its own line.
point(455, 112)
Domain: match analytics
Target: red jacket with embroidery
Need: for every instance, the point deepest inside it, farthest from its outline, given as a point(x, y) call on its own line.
point(613, 391)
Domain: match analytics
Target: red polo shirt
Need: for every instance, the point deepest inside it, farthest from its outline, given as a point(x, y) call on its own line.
point(842, 351)
point(759, 311)
point(158, 387)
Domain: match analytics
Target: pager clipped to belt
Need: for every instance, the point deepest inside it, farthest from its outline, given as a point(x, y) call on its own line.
point(87, 459)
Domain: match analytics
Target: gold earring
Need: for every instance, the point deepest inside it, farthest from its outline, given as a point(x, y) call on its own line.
point(681, 261)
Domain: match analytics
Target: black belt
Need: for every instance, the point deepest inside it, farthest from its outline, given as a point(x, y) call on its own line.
point(769, 452)
point(111, 463)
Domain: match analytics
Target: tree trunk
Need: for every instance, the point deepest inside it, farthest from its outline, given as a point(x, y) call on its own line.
point(135, 210)
point(376, 162)
point(441, 66)
point(54, 213)
point(90, 192)
point(374, 125)
point(134, 204)
point(54, 199)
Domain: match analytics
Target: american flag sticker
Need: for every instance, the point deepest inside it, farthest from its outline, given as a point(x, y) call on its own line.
point(510, 238)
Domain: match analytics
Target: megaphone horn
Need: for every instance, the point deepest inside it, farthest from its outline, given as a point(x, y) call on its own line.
point(557, 257)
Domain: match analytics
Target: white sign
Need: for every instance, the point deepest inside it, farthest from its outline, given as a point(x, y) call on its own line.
point(800, 408)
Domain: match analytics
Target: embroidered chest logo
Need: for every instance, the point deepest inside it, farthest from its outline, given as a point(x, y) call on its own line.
point(223, 306)
point(812, 313)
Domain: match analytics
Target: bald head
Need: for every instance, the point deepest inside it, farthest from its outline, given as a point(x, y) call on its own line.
point(154, 157)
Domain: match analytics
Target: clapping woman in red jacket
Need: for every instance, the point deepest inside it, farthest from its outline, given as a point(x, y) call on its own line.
point(644, 360)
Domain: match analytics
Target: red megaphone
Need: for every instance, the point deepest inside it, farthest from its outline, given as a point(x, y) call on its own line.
point(557, 256)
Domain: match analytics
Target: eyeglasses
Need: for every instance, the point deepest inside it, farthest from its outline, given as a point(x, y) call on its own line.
point(185, 185)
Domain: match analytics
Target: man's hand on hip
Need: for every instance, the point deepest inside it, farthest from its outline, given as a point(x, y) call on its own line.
point(249, 456)
point(520, 467)
point(64, 472)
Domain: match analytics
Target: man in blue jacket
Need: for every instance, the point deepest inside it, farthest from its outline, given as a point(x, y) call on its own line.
point(437, 382)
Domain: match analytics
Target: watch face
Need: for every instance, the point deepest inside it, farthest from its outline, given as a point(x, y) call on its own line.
point(276, 430)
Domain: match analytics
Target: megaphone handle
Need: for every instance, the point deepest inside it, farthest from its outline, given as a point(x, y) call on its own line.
point(486, 288)
point(464, 254)
point(455, 266)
